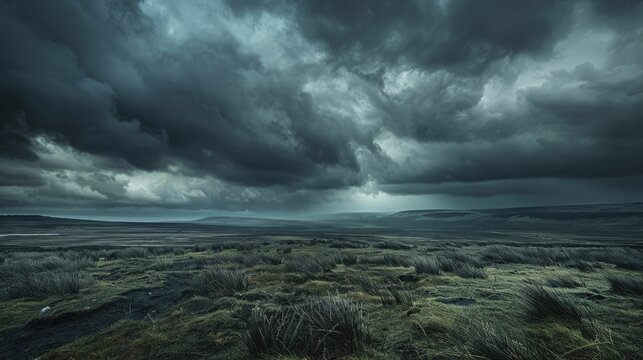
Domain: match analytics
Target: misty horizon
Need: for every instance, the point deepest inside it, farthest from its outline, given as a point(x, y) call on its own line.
point(313, 217)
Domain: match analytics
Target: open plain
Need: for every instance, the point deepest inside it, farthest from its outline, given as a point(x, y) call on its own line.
point(494, 284)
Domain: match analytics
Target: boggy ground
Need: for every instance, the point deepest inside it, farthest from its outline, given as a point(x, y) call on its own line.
point(304, 297)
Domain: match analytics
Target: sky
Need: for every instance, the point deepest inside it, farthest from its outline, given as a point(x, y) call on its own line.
point(163, 108)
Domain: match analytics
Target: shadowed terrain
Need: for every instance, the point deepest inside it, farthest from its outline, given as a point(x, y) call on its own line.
point(555, 282)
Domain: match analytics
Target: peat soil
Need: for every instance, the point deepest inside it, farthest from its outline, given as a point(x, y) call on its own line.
point(43, 334)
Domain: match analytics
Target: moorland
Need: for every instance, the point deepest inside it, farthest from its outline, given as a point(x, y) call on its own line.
point(531, 283)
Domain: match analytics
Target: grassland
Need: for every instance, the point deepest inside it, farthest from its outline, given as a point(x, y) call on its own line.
point(297, 297)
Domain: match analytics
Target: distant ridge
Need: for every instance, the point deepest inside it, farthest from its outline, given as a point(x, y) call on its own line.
point(627, 213)
point(623, 214)
point(250, 221)
point(27, 216)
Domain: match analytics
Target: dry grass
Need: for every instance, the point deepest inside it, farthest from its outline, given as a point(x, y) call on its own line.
point(328, 328)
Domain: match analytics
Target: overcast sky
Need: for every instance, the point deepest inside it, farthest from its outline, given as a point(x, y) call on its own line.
point(180, 108)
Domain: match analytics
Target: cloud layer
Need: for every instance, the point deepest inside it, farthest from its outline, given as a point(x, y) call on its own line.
point(280, 105)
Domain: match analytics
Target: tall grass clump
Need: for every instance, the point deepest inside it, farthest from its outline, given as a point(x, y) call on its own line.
point(447, 264)
point(631, 259)
point(44, 284)
point(345, 244)
point(530, 255)
point(347, 259)
point(485, 339)
point(162, 263)
point(394, 295)
point(226, 245)
point(391, 245)
point(252, 259)
point(388, 294)
point(217, 281)
point(582, 265)
point(270, 259)
point(386, 260)
point(505, 254)
point(541, 302)
point(82, 259)
point(39, 275)
point(582, 258)
point(124, 253)
point(366, 284)
point(464, 258)
point(627, 285)
point(426, 265)
point(463, 265)
point(310, 264)
point(470, 272)
point(246, 260)
point(327, 328)
point(563, 282)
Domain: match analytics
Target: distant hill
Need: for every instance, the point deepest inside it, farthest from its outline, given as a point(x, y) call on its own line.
point(631, 213)
point(628, 215)
point(7, 219)
point(251, 222)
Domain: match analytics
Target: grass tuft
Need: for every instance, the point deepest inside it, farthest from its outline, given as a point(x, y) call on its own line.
point(217, 281)
point(386, 260)
point(470, 272)
point(486, 339)
point(310, 264)
point(563, 282)
point(424, 265)
point(541, 302)
point(366, 284)
point(394, 295)
point(627, 285)
point(162, 263)
point(392, 245)
point(347, 259)
point(328, 328)
point(32, 275)
point(44, 284)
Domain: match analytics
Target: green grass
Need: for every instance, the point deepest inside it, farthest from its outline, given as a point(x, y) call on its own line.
point(326, 328)
point(321, 299)
point(216, 281)
point(470, 271)
point(310, 264)
point(425, 265)
point(489, 338)
point(563, 281)
point(541, 302)
point(38, 275)
point(628, 285)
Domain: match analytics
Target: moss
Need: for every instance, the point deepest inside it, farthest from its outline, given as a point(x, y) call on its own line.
point(210, 326)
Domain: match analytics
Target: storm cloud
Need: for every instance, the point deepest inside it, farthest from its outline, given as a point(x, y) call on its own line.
point(294, 105)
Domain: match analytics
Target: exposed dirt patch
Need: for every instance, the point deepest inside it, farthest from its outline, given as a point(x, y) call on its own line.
point(44, 334)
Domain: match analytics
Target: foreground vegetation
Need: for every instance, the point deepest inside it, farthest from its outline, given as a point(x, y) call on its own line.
point(324, 298)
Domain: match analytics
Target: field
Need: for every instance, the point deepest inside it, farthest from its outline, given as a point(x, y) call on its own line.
point(194, 293)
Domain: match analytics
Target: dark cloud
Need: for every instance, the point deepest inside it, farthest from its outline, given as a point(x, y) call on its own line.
point(618, 9)
point(462, 36)
point(257, 105)
point(205, 100)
